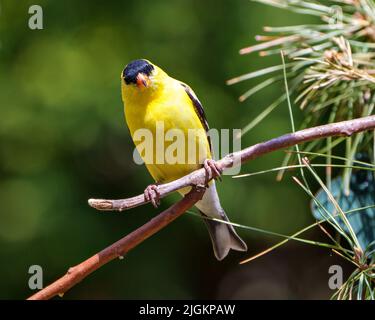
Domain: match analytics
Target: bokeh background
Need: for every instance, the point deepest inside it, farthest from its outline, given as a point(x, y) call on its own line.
point(63, 140)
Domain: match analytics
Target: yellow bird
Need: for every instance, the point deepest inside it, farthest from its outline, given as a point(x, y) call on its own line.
point(153, 100)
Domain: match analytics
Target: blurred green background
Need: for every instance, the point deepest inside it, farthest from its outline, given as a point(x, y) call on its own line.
point(63, 140)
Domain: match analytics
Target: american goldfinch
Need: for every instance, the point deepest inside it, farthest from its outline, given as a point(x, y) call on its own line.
point(152, 97)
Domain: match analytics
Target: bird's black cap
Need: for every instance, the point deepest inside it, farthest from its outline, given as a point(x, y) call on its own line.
point(134, 68)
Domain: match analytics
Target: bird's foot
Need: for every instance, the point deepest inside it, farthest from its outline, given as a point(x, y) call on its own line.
point(212, 170)
point(152, 194)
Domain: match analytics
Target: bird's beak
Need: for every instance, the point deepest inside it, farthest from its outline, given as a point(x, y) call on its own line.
point(142, 80)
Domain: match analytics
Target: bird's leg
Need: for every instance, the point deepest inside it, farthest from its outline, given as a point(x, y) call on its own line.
point(212, 169)
point(152, 194)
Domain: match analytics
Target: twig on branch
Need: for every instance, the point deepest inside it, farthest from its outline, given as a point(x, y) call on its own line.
point(195, 179)
point(120, 248)
point(198, 177)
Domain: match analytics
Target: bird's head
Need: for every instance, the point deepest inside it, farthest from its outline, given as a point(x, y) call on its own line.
point(141, 76)
point(138, 73)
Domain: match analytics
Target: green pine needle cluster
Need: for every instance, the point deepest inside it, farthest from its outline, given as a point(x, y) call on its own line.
point(329, 72)
point(330, 65)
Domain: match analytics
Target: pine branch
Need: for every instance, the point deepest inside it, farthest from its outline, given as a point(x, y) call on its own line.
point(118, 249)
point(197, 178)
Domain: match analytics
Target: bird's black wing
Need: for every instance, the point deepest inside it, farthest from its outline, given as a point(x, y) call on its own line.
point(198, 109)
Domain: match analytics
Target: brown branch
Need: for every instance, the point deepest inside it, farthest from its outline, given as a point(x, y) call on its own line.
point(118, 249)
point(195, 179)
point(198, 177)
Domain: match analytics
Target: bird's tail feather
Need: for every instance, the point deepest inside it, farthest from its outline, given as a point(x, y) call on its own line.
point(223, 236)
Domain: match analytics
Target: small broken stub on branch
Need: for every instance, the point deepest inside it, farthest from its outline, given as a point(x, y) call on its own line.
point(100, 204)
point(200, 189)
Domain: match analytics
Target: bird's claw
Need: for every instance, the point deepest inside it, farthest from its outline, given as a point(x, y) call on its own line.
point(152, 194)
point(212, 170)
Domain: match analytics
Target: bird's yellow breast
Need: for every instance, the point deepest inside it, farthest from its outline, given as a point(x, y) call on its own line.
point(168, 114)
